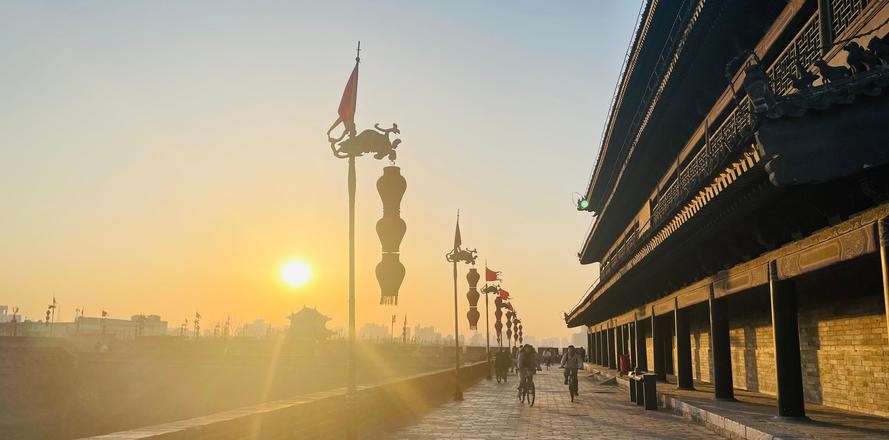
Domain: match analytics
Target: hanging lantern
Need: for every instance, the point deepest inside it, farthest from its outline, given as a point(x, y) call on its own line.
point(498, 326)
point(472, 277)
point(509, 315)
point(516, 322)
point(391, 228)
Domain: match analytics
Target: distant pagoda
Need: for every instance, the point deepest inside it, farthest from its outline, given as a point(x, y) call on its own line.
point(309, 324)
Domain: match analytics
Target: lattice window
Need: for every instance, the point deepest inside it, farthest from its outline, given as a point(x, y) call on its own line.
point(805, 49)
point(843, 13)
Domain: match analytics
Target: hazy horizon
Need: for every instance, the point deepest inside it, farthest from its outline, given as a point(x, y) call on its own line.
point(168, 159)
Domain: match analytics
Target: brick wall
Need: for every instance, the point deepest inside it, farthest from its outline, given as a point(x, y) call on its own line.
point(701, 356)
point(844, 343)
point(649, 349)
point(753, 349)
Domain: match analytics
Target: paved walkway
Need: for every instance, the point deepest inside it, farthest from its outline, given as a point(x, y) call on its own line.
point(491, 410)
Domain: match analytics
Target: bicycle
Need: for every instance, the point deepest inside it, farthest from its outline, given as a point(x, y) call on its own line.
point(572, 383)
point(527, 391)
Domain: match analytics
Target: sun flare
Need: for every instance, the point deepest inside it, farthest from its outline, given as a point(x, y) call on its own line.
point(296, 273)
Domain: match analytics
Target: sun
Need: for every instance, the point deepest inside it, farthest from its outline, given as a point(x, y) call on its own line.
point(296, 273)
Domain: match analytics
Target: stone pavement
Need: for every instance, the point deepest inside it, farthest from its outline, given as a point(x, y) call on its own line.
point(492, 411)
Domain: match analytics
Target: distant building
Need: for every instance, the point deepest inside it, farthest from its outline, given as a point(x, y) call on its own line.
point(373, 332)
point(309, 324)
point(4, 314)
point(137, 325)
point(256, 329)
point(426, 335)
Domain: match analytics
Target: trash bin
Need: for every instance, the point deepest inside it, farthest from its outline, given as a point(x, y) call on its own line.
point(632, 386)
point(649, 391)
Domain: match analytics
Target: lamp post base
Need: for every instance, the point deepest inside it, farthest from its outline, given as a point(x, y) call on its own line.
point(458, 394)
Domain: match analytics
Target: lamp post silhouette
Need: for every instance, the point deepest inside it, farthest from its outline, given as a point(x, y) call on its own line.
point(390, 272)
point(488, 290)
point(455, 256)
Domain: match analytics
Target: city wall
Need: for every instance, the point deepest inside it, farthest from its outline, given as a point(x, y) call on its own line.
point(50, 389)
point(322, 415)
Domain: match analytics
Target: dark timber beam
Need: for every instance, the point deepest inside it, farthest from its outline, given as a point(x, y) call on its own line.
point(612, 348)
point(629, 341)
point(720, 346)
point(619, 335)
point(785, 331)
point(594, 357)
point(883, 233)
point(684, 378)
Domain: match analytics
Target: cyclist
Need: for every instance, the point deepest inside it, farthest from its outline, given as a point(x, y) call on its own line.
point(547, 358)
point(527, 364)
point(571, 362)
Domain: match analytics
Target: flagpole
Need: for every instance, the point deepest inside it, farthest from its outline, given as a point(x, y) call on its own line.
point(351, 385)
point(458, 393)
point(487, 328)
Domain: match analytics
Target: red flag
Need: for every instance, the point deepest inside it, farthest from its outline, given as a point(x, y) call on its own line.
point(348, 104)
point(491, 275)
point(504, 295)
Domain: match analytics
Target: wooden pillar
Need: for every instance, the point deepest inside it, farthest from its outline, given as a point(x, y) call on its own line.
point(657, 342)
point(720, 346)
point(883, 233)
point(619, 335)
point(611, 349)
point(684, 379)
point(631, 344)
point(592, 346)
point(641, 354)
point(599, 349)
point(603, 353)
point(824, 31)
point(785, 331)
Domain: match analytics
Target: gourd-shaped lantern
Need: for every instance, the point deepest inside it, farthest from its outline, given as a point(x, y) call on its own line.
point(472, 277)
point(509, 315)
point(518, 325)
point(391, 228)
point(498, 326)
point(521, 341)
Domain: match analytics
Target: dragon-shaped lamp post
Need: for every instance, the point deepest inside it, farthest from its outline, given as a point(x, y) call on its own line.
point(488, 290)
point(455, 256)
point(390, 272)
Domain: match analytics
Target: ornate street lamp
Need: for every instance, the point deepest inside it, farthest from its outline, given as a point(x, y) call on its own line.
point(467, 256)
point(488, 290)
point(390, 229)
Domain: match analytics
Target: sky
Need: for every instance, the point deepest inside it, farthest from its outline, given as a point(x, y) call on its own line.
point(170, 157)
